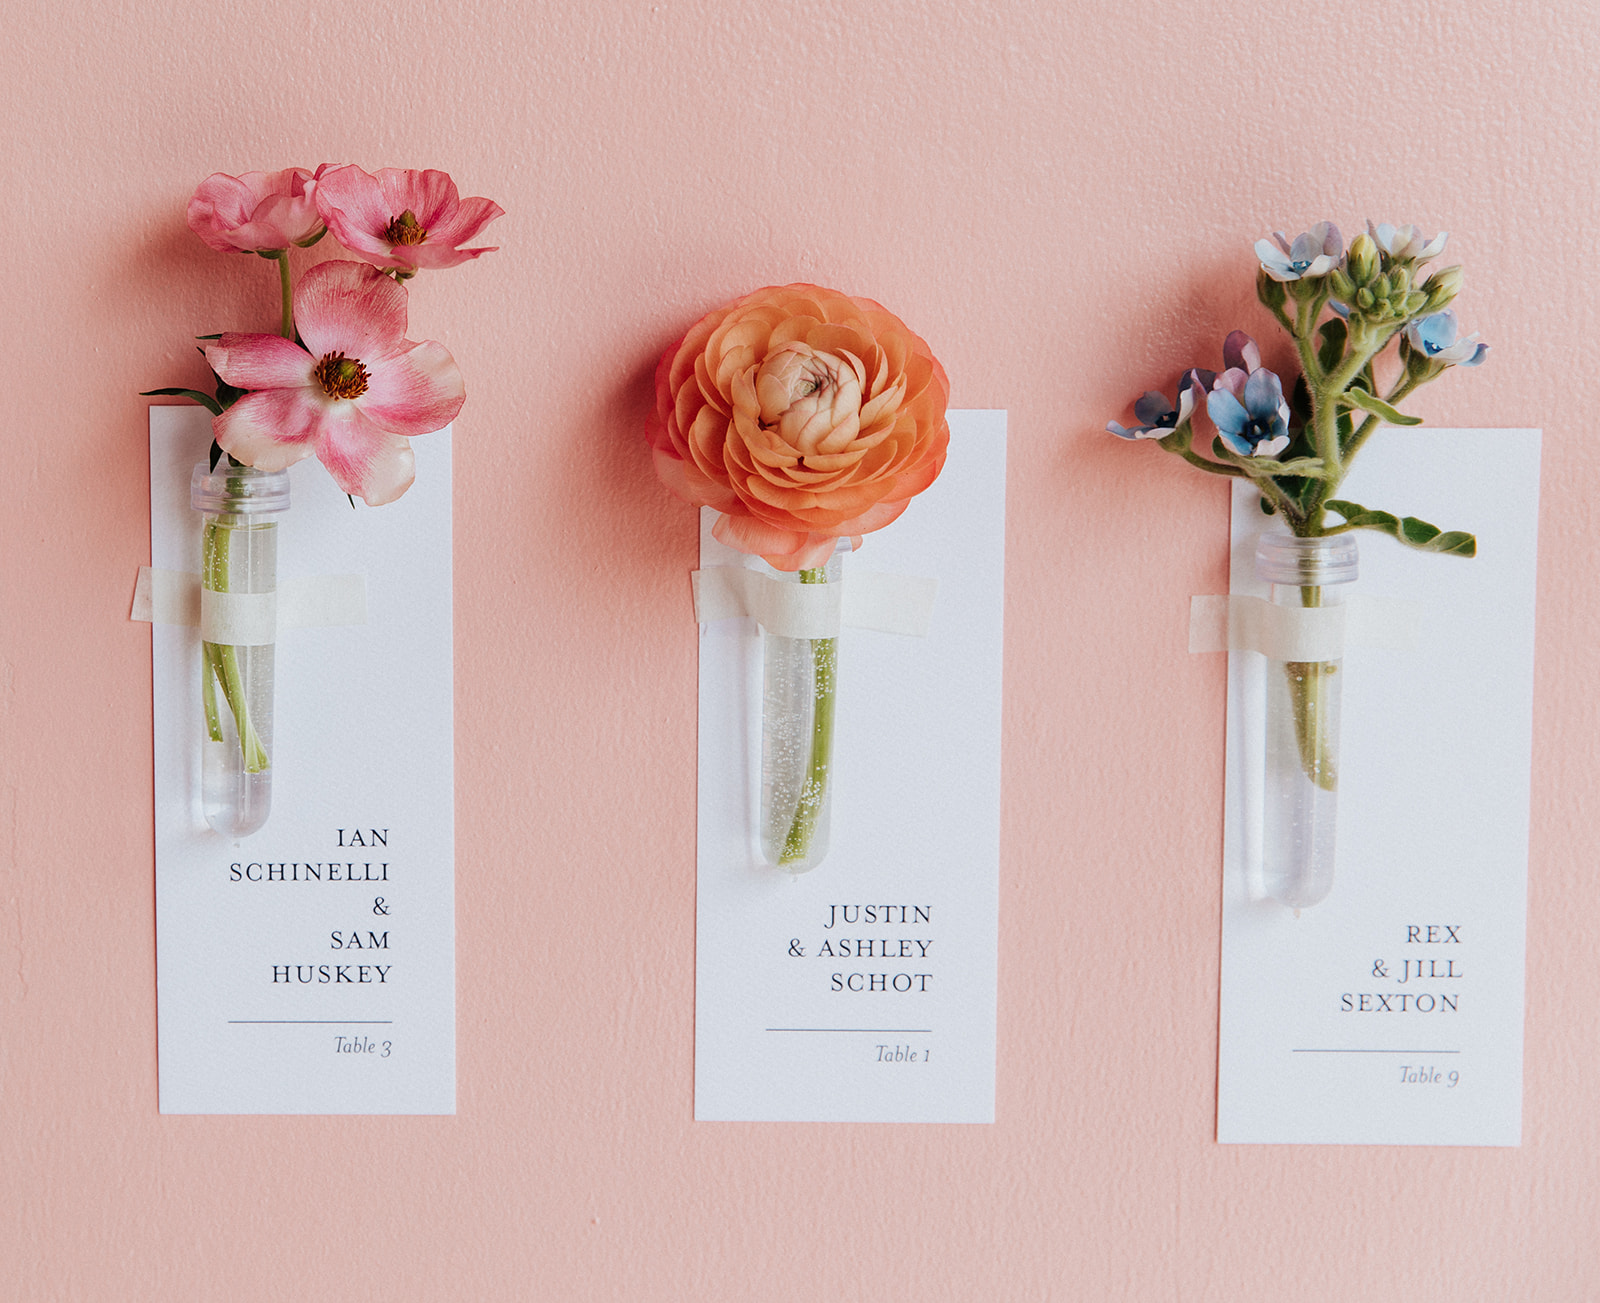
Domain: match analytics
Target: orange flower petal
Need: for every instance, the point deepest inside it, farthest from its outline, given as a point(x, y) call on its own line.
point(801, 414)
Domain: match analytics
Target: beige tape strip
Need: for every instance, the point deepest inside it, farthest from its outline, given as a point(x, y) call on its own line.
point(248, 619)
point(889, 603)
point(238, 619)
point(1293, 633)
point(863, 599)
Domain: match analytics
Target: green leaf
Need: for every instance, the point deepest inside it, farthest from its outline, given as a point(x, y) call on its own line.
point(1309, 468)
point(205, 400)
point(1407, 529)
point(1372, 403)
point(1334, 333)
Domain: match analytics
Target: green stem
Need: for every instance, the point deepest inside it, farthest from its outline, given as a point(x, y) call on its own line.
point(1283, 319)
point(1404, 386)
point(1181, 442)
point(1206, 464)
point(824, 670)
point(1309, 697)
point(1305, 323)
point(1325, 420)
point(208, 693)
point(1287, 507)
point(223, 660)
point(286, 329)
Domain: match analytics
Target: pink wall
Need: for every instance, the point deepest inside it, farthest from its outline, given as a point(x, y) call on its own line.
point(1061, 198)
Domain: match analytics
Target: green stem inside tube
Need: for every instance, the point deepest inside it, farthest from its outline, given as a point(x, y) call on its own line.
point(222, 661)
point(1310, 690)
point(824, 668)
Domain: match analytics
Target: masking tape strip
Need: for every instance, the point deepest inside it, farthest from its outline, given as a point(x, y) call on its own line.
point(1293, 633)
point(166, 597)
point(865, 599)
point(248, 619)
point(238, 619)
point(889, 603)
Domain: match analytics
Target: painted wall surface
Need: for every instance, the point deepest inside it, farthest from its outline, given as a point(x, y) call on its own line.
point(1061, 198)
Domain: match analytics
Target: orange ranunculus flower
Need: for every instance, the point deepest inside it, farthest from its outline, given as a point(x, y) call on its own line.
point(802, 415)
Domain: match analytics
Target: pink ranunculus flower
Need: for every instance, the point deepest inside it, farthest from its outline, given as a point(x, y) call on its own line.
point(354, 400)
point(259, 212)
point(402, 219)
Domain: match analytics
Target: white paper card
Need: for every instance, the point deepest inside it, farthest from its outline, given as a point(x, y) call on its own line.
point(310, 967)
point(1391, 1012)
point(864, 990)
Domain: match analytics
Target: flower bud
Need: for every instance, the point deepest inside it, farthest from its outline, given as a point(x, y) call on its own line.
point(1363, 259)
point(1271, 292)
point(1442, 287)
point(1419, 366)
point(1415, 302)
point(1343, 287)
point(1364, 298)
point(1400, 278)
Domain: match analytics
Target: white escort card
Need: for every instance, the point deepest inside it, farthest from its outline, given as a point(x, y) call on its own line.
point(310, 966)
point(1391, 1011)
point(864, 990)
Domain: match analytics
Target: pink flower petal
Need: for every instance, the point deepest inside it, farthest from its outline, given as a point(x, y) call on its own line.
point(415, 392)
point(359, 207)
point(352, 204)
point(256, 212)
point(260, 361)
point(470, 218)
point(350, 308)
point(782, 549)
point(370, 463)
point(429, 256)
point(747, 535)
point(686, 481)
point(272, 428)
point(876, 517)
point(430, 196)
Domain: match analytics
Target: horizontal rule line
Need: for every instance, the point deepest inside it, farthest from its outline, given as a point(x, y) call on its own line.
point(875, 1031)
point(1374, 1051)
point(311, 1022)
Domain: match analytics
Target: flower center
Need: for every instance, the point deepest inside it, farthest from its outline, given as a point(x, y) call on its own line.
point(1300, 264)
point(341, 376)
point(405, 229)
point(1257, 429)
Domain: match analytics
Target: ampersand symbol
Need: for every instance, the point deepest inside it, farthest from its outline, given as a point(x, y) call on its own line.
point(1378, 970)
point(378, 907)
point(796, 949)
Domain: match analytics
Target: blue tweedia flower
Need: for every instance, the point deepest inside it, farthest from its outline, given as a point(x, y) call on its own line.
point(1250, 413)
point(1434, 336)
point(1405, 243)
point(1157, 416)
point(1241, 353)
point(1314, 253)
